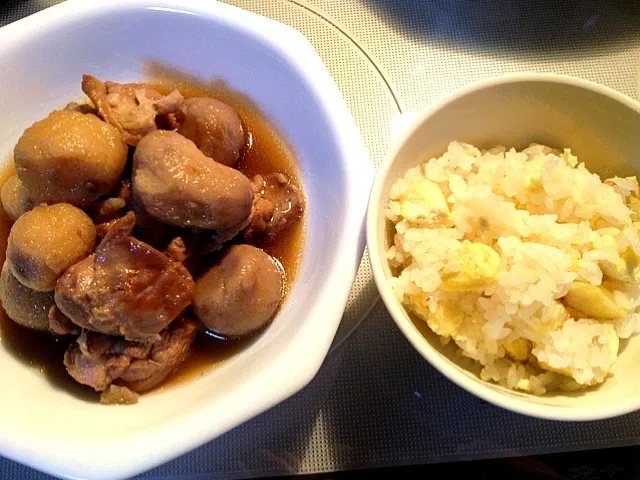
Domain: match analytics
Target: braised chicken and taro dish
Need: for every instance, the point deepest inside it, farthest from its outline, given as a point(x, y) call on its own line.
point(141, 221)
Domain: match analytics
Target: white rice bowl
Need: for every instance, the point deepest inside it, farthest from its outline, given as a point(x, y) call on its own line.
point(554, 226)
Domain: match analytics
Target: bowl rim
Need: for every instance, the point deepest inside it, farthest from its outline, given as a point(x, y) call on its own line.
point(176, 437)
point(480, 388)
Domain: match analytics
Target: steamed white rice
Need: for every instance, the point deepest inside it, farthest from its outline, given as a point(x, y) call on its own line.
point(553, 226)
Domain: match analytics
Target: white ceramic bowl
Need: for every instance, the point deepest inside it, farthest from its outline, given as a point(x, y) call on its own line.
point(42, 59)
point(601, 126)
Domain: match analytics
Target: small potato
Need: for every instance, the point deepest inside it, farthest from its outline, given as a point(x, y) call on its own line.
point(178, 185)
point(240, 294)
point(15, 198)
point(44, 242)
point(24, 306)
point(214, 127)
point(70, 157)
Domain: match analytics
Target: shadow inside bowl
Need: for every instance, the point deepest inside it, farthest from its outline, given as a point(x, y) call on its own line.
point(43, 354)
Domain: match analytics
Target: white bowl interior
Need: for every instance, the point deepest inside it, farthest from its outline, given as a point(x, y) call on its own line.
point(41, 63)
point(601, 126)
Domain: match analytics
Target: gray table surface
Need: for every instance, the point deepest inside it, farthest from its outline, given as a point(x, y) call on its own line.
point(376, 403)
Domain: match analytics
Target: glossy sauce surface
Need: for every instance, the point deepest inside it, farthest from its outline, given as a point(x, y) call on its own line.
point(266, 152)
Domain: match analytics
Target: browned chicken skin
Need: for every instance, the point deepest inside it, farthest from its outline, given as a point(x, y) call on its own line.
point(113, 206)
point(214, 127)
point(277, 204)
point(125, 288)
point(178, 185)
point(239, 294)
point(98, 360)
point(166, 354)
point(60, 324)
point(177, 250)
point(130, 107)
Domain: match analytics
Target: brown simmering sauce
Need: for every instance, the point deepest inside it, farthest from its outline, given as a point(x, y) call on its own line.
point(267, 152)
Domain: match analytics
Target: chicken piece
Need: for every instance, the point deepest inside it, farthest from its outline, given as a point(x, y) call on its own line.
point(214, 127)
point(70, 157)
point(240, 294)
point(125, 288)
point(277, 204)
point(117, 395)
point(23, 305)
point(130, 107)
point(165, 356)
point(424, 204)
point(178, 185)
point(15, 198)
point(81, 108)
point(518, 349)
point(594, 301)
point(44, 242)
point(99, 360)
point(112, 207)
point(60, 324)
point(177, 250)
point(125, 191)
point(104, 228)
point(626, 269)
point(474, 266)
